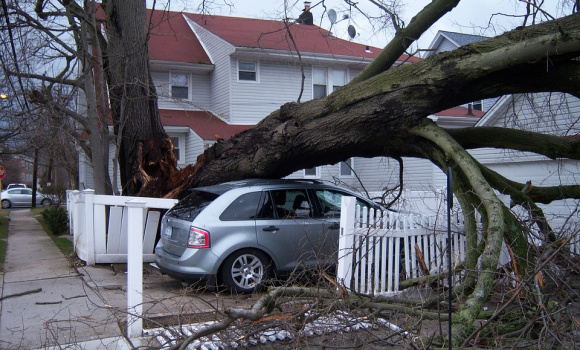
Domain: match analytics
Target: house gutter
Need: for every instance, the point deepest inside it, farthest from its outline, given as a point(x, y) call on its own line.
point(196, 67)
point(292, 56)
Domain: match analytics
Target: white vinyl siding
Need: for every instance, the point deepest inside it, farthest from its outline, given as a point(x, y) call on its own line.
point(199, 87)
point(279, 84)
point(219, 52)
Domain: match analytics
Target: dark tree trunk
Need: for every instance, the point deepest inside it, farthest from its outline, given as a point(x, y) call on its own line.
point(146, 152)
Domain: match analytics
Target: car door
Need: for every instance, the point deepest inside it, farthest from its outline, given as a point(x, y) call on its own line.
point(19, 197)
point(26, 197)
point(328, 203)
point(286, 228)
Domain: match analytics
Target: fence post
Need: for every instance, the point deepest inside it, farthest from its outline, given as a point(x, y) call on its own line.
point(135, 268)
point(346, 241)
point(89, 226)
point(72, 197)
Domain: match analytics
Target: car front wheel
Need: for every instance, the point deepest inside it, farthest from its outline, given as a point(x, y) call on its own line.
point(46, 202)
point(245, 271)
point(6, 204)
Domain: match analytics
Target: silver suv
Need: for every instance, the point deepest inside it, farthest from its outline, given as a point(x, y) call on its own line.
point(244, 232)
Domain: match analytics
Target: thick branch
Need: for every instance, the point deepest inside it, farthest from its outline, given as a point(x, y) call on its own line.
point(548, 145)
point(405, 37)
point(495, 229)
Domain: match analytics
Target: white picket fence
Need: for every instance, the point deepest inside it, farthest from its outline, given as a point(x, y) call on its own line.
point(378, 249)
point(100, 225)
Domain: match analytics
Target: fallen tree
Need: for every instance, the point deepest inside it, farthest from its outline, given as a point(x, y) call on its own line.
point(396, 102)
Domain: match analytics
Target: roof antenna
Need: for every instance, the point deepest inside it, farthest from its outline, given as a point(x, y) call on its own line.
point(333, 18)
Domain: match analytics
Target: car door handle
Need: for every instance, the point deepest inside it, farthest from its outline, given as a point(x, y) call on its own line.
point(270, 229)
point(334, 226)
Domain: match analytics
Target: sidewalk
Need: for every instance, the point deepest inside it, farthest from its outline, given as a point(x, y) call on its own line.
point(46, 303)
point(55, 307)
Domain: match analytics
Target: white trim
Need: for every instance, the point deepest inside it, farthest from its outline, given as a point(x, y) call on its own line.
point(492, 114)
point(180, 146)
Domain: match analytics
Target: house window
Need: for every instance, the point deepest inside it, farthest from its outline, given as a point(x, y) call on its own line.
point(177, 148)
point(325, 80)
point(312, 172)
point(247, 71)
point(338, 78)
point(180, 86)
point(346, 168)
point(319, 82)
point(478, 105)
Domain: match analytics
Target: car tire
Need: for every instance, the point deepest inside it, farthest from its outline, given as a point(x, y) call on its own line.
point(6, 204)
point(245, 271)
point(46, 203)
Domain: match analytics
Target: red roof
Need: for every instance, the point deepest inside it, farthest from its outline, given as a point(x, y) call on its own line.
point(172, 39)
point(205, 124)
point(270, 34)
point(460, 111)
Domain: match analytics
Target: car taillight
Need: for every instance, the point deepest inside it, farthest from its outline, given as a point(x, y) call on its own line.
point(198, 238)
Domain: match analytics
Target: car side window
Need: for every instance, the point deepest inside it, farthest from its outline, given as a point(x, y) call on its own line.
point(245, 207)
point(285, 204)
point(330, 201)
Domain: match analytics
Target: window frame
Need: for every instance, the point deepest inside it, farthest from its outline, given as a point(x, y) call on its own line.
point(348, 166)
point(309, 176)
point(180, 147)
point(329, 73)
point(188, 86)
point(256, 72)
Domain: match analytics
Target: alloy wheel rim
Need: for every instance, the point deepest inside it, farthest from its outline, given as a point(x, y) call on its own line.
point(247, 271)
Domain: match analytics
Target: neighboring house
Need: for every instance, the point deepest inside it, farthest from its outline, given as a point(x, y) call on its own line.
point(448, 41)
point(549, 113)
point(552, 113)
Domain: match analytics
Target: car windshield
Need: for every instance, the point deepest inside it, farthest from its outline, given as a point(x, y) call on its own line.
point(189, 207)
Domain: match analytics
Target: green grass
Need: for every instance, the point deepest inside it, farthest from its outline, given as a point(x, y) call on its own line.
point(63, 243)
point(3, 237)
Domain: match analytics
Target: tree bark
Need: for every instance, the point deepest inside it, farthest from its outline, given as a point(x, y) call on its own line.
point(146, 152)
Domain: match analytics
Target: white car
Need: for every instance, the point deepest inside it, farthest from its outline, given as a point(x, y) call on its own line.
point(22, 197)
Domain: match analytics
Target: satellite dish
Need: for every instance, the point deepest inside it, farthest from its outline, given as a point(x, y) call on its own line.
point(332, 16)
point(351, 31)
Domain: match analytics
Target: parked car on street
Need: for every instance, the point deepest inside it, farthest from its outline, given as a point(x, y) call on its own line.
point(22, 197)
point(242, 233)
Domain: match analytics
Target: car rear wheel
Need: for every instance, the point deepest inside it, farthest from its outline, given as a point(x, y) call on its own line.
point(46, 202)
point(6, 204)
point(245, 271)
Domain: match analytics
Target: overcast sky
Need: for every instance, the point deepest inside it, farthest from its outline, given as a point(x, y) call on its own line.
point(481, 17)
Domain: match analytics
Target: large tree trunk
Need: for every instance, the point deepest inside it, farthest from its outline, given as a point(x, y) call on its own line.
point(146, 152)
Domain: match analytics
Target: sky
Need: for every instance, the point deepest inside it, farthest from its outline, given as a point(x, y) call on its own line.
point(481, 17)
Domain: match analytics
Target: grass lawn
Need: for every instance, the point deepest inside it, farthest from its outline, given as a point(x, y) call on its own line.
point(3, 236)
point(63, 243)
